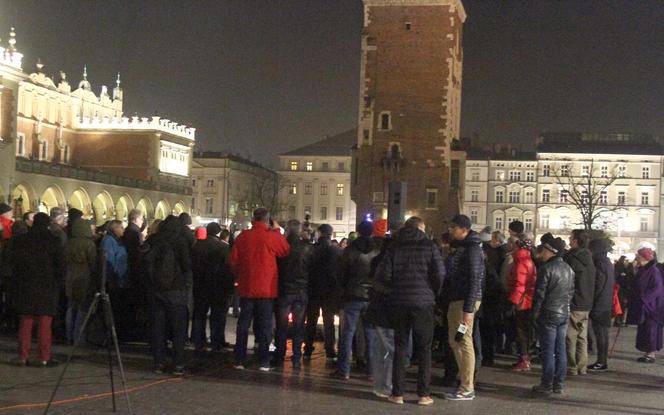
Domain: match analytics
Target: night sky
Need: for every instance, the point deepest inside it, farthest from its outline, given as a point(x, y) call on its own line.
point(259, 77)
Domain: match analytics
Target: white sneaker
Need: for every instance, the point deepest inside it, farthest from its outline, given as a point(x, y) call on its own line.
point(265, 368)
point(239, 367)
point(381, 395)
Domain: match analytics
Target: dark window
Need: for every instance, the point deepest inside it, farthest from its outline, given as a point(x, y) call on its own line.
point(408, 25)
point(385, 121)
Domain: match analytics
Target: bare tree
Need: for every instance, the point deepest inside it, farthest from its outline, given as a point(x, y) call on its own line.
point(587, 190)
point(263, 191)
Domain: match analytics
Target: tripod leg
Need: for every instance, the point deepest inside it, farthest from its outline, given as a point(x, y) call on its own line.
point(109, 346)
point(77, 339)
point(108, 312)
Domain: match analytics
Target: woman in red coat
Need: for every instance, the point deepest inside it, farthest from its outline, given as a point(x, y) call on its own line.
point(521, 291)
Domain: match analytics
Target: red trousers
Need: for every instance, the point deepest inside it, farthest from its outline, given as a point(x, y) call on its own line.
point(43, 336)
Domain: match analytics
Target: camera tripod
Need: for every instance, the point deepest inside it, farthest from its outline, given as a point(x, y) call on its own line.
point(105, 300)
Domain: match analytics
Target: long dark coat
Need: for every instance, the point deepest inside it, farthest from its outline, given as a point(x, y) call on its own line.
point(36, 260)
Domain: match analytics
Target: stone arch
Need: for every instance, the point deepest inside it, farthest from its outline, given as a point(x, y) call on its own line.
point(22, 199)
point(80, 200)
point(103, 207)
point(179, 207)
point(145, 205)
point(162, 210)
point(123, 206)
point(52, 197)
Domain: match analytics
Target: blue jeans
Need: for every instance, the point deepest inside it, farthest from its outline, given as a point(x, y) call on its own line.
point(74, 319)
point(260, 310)
point(297, 305)
point(381, 357)
point(168, 316)
point(552, 334)
point(352, 313)
point(217, 323)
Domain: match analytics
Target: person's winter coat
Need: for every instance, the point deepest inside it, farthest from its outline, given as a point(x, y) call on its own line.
point(648, 299)
point(81, 261)
point(59, 232)
point(412, 270)
point(604, 278)
point(467, 272)
point(553, 291)
point(581, 261)
point(132, 241)
point(168, 263)
point(253, 261)
point(213, 281)
point(377, 312)
point(522, 280)
point(5, 229)
point(506, 270)
point(117, 264)
point(495, 256)
point(324, 281)
point(356, 262)
point(37, 271)
point(295, 269)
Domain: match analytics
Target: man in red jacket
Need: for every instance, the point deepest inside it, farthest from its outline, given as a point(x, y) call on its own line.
point(253, 261)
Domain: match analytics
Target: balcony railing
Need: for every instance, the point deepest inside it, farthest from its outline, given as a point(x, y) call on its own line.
point(71, 172)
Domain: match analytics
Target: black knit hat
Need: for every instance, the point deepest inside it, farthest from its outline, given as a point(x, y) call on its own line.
point(516, 226)
point(4, 208)
point(365, 228)
point(461, 221)
point(213, 228)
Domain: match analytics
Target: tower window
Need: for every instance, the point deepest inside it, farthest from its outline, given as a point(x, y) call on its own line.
point(408, 25)
point(385, 121)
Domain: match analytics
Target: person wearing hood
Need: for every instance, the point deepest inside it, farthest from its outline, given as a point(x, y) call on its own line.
point(80, 259)
point(602, 310)
point(521, 292)
point(294, 274)
point(37, 270)
point(412, 271)
point(467, 273)
point(581, 261)
point(354, 283)
point(72, 215)
point(647, 306)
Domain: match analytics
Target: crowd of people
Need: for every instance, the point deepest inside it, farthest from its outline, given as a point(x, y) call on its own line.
point(400, 296)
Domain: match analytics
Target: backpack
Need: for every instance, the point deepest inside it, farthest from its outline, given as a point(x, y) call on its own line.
point(163, 267)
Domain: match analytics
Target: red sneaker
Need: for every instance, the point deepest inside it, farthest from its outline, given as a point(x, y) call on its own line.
point(523, 365)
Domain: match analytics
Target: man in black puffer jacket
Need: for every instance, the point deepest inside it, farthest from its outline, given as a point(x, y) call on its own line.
point(412, 271)
point(294, 272)
point(602, 310)
point(467, 274)
point(581, 261)
point(354, 283)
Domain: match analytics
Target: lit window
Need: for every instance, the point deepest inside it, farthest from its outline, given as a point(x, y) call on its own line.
point(645, 172)
point(20, 145)
point(499, 223)
point(546, 196)
point(309, 166)
point(546, 170)
point(544, 221)
point(323, 213)
point(473, 216)
point(292, 189)
point(323, 189)
point(645, 198)
point(340, 189)
point(307, 188)
point(339, 213)
point(432, 198)
point(622, 171)
point(563, 196)
point(500, 175)
point(528, 224)
point(500, 196)
point(585, 171)
point(293, 165)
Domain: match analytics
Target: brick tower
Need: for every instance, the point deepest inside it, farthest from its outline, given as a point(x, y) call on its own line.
point(409, 109)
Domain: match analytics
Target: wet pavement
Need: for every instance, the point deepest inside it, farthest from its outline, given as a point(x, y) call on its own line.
point(214, 387)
